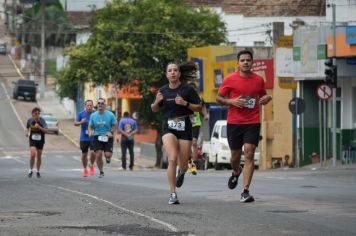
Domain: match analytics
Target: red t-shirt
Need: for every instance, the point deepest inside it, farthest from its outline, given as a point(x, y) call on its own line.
point(252, 88)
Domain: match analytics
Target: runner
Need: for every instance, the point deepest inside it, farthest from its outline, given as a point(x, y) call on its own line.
point(244, 92)
point(196, 124)
point(82, 119)
point(178, 101)
point(36, 128)
point(127, 128)
point(102, 125)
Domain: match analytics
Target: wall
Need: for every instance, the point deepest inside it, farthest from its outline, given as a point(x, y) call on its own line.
point(208, 55)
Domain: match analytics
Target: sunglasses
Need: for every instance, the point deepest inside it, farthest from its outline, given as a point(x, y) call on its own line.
point(101, 103)
point(37, 113)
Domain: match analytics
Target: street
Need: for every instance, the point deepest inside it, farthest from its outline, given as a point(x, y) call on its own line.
point(288, 202)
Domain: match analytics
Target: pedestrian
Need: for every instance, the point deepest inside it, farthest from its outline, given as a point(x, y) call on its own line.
point(36, 127)
point(196, 120)
point(178, 101)
point(243, 91)
point(102, 126)
point(127, 128)
point(86, 144)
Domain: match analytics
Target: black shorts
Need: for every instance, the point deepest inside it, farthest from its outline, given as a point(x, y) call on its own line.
point(238, 135)
point(186, 134)
point(102, 146)
point(37, 144)
point(85, 145)
point(195, 132)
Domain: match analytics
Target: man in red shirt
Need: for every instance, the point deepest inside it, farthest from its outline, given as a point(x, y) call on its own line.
point(243, 91)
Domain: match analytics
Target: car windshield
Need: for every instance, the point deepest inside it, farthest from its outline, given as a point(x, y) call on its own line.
point(223, 131)
point(26, 82)
point(50, 119)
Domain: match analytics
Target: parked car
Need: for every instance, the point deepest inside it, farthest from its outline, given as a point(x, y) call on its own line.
point(217, 152)
point(2, 48)
point(25, 88)
point(46, 114)
point(52, 123)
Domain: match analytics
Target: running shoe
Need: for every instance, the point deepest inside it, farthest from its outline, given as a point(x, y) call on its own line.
point(246, 197)
point(38, 175)
point(85, 172)
point(91, 169)
point(232, 183)
point(107, 160)
point(180, 179)
point(30, 173)
point(101, 175)
point(194, 169)
point(189, 168)
point(173, 199)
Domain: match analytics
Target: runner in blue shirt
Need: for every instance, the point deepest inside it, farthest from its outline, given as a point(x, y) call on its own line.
point(82, 119)
point(102, 126)
point(127, 128)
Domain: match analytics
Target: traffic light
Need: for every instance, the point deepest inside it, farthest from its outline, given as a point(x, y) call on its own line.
point(331, 72)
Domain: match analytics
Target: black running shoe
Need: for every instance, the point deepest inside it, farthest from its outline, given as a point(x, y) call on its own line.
point(180, 179)
point(246, 197)
point(173, 199)
point(232, 183)
point(30, 174)
point(38, 175)
point(107, 160)
point(101, 175)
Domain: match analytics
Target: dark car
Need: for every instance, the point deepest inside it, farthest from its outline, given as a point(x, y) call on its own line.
point(2, 48)
point(25, 88)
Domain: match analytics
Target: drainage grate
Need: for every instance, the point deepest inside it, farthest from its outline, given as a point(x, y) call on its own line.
point(309, 186)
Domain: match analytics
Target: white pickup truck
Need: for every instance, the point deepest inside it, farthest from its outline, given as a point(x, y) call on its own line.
point(217, 152)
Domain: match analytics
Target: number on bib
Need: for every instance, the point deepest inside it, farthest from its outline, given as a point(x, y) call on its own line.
point(176, 124)
point(36, 137)
point(103, 138)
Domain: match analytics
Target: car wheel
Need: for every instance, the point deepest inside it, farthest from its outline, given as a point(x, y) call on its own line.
point(15, 96)
point(56, 132)
point(163, 164)
point(207, 165)
point(217, 166)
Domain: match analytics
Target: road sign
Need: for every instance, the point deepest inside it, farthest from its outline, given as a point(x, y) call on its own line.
point(324, 91)
point(296, 106)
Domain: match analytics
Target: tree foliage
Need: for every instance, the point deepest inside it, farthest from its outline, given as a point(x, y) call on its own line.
point(135, 39)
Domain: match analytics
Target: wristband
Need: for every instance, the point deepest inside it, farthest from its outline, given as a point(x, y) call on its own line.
point(187, 104)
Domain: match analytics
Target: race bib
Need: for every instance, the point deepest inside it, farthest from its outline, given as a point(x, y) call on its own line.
point(193, 119)
point(36, 137)
point(103, 138)
point(250, 102)
point(177, 124)
point(86, 132)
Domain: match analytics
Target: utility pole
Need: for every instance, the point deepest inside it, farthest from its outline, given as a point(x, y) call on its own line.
point(43, 51)
point(334, 88)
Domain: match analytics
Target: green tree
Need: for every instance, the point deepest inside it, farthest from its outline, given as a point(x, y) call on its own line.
point(135, 40)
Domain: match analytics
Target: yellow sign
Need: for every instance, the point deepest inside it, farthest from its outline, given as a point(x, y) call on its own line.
point(285, 41)
point(287, 83)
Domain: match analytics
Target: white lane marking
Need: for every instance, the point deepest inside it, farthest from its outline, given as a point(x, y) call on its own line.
point(12, 106)
point(70, 169)
point(77, 158)
point(169, 226)
point(16, 68)
point(13, 158)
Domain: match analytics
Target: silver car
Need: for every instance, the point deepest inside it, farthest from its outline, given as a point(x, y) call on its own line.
point(52, 123)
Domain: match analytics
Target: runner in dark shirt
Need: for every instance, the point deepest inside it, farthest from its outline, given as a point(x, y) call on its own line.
point(178, 101)
point(36, 128)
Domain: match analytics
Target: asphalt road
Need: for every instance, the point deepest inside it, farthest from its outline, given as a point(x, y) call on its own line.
point(288, 202)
